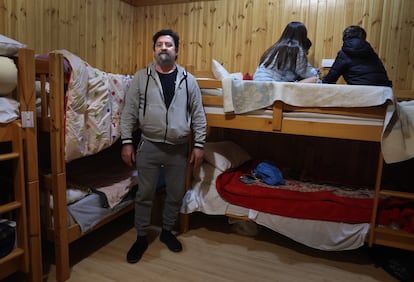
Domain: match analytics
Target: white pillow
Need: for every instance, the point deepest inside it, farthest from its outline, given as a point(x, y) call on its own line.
point(8, 46)
point(8, 76)
point(220, 72)
point(225, 154)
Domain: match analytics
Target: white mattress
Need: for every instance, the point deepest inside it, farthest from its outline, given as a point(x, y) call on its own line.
point(322, 235)
point(314, 117)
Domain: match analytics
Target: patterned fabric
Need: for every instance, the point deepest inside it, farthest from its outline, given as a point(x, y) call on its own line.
point(94, 101)
point(243, 96)
point(297, 199)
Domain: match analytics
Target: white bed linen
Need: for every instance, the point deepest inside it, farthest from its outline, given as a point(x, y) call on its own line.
point(322, 235)
point(105, 172)
point(9, 110)
point(315, 117)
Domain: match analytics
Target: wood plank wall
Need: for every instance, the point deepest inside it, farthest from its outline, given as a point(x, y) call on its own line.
point(237, 32)
point(116, 37)
point(101, 32)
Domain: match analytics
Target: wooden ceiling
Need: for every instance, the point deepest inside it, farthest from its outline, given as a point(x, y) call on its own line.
point(138, 3)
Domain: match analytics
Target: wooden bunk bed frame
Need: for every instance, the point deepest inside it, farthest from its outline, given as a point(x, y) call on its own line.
point(277, 124)
point(53, 181)
point(27, 257)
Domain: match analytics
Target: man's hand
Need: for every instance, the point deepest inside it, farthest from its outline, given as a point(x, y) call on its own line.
point(128, 154)
point(197, 157)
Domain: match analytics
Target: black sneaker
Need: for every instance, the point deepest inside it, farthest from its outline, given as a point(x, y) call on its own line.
point(171, 241)
point(137, 250)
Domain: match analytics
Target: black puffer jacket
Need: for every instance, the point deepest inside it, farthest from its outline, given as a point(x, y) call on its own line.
point(358, 63)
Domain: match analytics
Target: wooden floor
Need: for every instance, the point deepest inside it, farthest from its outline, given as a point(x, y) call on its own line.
point(213, 252)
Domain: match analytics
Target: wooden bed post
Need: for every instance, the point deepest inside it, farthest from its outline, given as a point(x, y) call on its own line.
point(27, 97)
point(58, 167)
point(376, 199)
point(277, 116)
point(184, 217)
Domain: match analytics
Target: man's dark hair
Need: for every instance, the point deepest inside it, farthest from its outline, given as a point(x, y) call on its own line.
point(166, 32)
point(354, 31)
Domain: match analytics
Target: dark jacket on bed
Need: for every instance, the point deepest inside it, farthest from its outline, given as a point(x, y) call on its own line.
point(358, 63)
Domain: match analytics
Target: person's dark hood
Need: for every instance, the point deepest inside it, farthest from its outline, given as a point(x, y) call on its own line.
point(356, 47)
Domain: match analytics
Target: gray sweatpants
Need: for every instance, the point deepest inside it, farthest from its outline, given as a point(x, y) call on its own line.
point(149, 159)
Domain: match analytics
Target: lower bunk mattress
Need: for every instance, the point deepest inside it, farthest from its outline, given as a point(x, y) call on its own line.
point(323, 217)
point(98, 186)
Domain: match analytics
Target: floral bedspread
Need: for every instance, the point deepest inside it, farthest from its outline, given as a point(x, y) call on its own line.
point(94, 101)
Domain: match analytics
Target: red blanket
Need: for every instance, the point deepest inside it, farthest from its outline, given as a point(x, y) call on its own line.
point(297, 199)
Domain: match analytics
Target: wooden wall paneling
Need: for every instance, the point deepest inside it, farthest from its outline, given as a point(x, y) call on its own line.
point(117, 50)
point(26, 9)
point(232, 37)
point(375, 24)
point(195, 48)
point(99, 26)
point(208, 19)
point(75, 16)
point(83, 22)
point(319, 47)
point(9, 8)
point(123, 37)
point(246, 16)
point(42, 39)
point(55, 28)
point(394, 36)
point(357, 12)
point(117, 37)
point(221, 36)
point(260, 32)
point(178, 20)
point(63, 26)
point(91, 30)
point(3, 16)
point(409, 8)
point(404, 71)
point(410, 73)
point(343, 14)
point(327, 30)
point(312, 21)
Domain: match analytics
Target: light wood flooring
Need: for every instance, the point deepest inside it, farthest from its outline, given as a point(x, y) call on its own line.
point(213, 252)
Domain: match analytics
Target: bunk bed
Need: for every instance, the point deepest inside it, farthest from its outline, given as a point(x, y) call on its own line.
point(84, 183)
point(367, 114)
point(17, 129)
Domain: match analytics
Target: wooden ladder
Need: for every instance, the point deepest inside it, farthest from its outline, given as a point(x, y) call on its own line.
point(15, 207)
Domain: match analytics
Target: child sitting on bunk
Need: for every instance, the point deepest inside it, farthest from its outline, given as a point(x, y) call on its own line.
point(286, 60)
point(357, 61)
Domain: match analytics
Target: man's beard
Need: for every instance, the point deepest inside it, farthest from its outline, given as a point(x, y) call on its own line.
point(165, 59)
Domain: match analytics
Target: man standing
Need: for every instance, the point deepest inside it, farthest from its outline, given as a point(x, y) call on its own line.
point(164, 102)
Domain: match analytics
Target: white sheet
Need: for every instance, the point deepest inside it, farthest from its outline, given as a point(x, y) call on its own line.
point(397, 144)
point(322, 235)
point(9, 110)
point(242, 96)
